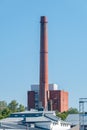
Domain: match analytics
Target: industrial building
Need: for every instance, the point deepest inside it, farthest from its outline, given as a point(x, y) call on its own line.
point(58, 99)
point(46, 95)
point(33, 120)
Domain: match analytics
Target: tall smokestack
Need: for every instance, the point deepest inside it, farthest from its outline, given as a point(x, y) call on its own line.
point(43, 62)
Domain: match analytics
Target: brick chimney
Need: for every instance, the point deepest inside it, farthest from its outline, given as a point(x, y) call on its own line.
point(43, 62)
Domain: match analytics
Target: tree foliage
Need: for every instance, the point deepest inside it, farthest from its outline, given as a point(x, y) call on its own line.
point(13, 106)
point(3, 105)
point(6, 112)
point(20, 108)
point(63, 115)
point(73, 111)
point(7, 109)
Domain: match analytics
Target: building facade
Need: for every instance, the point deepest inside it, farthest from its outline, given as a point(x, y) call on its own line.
point(57, 99)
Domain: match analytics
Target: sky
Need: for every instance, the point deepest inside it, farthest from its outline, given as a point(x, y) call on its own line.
point(20, 47)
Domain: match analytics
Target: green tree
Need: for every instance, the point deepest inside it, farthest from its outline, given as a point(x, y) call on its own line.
point(63, 115)
point(21, 108)
point(1, 117)
point(3, 105)
point(73, 111)
point(13, 105)
point(6, 112)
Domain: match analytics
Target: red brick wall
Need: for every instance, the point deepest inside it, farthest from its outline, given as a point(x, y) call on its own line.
point(31, 99)
point(63, 100)
point(59, 100)
point(54, 96)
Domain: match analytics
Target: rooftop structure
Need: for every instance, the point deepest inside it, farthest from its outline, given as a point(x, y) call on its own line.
point(34, 120)
point(73, 119)
point(35, 87)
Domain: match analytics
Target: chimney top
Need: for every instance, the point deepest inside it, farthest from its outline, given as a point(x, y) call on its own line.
point(43, 19)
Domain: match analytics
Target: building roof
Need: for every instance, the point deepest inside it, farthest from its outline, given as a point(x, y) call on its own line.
point(31, 113)
point(20, 120)
point(52, 117)
point(73, 119)
point(37, 119)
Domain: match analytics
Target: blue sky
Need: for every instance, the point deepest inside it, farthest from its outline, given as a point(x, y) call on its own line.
point(20, 47)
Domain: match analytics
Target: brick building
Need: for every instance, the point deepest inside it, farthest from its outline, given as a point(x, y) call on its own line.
point(57, 99)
